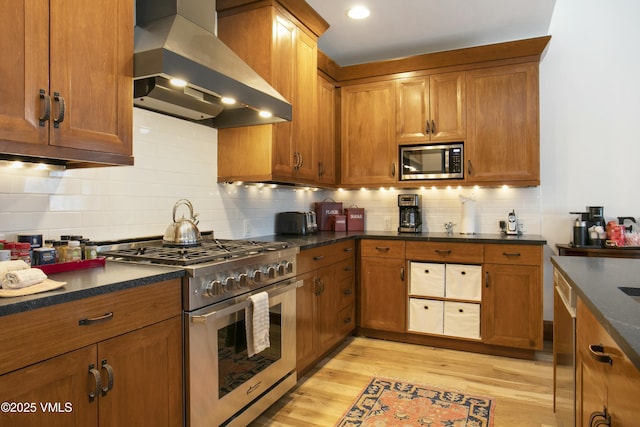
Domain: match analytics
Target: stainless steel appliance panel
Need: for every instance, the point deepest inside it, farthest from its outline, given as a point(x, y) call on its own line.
point(221, 378)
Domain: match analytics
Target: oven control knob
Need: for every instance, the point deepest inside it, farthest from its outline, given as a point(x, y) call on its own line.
point(242, 281)
point(213, 288)
point(288, 265)
point(281, 269)
point(229, 284)
point(257, 276)
point(271, 272)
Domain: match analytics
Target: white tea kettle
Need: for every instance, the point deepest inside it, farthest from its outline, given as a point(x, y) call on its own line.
point(183, 233)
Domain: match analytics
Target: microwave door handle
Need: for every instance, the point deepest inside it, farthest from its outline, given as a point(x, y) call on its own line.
point(445, 165)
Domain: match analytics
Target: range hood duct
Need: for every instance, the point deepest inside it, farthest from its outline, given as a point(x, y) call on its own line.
point(176, 39)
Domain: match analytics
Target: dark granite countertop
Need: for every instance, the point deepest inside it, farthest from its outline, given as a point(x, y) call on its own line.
point(596, 282)
point(328, 237)
point(114, 276)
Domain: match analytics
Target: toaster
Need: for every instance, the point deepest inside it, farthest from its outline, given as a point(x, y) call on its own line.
point(296, 223)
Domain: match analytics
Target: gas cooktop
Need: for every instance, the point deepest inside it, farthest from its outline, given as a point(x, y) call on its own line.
point(210, 251)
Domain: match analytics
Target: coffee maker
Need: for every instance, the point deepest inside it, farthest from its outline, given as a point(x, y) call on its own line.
point(410, 216)
point(584, 222)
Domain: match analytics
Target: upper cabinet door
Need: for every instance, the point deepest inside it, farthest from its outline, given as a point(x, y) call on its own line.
point(91, 45)
point(369, 149)
point(24, 67)
point(431, 108)
point(326, 131)
point(503, 143)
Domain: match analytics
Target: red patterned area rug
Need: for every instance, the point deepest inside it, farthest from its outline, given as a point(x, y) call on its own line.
point(396, 403)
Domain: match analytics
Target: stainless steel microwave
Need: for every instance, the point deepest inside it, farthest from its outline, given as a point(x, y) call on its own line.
point(441, 161)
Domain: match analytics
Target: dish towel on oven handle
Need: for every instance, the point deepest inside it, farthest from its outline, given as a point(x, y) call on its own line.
point(257, 323)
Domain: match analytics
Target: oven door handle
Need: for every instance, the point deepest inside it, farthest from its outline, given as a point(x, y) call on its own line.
point(217, 314)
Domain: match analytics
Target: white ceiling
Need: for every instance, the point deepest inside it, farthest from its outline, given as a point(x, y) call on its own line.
point(399, 28)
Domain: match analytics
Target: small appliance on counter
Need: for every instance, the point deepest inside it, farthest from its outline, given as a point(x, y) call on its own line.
point(410, 213)
point(589, 228)
point(300, 223)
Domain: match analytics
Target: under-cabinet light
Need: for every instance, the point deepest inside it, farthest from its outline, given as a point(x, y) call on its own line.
point(178, 82)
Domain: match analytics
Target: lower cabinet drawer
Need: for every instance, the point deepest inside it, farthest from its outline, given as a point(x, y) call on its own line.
point(462, 319)
point(426, 316)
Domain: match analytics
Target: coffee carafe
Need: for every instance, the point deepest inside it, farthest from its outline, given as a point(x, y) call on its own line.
point(410, 214)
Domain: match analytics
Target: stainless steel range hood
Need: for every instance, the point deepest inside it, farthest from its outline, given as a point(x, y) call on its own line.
point(175, 39)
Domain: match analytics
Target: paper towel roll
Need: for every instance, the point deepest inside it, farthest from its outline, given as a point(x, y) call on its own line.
point(468, 217)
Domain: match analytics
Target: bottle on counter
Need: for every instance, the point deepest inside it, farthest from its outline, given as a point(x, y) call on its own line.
point(90, 250)
point(73, 252)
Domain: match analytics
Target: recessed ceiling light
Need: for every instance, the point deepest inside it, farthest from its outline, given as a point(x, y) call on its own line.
point(358, 12)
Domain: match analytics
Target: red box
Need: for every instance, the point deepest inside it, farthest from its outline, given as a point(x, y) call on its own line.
point(324, 211)
point(355, 219)
point(339, 222)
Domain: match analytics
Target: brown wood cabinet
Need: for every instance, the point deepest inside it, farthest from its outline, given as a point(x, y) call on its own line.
point(503, 136)
point(326, 128)
point(325, 302)
point(512, 296)
point(67, 82)
point(383, 290)
point(606, 380)
point(431, 108)
point(284, 52)
point(123, 369)
point(369, 150)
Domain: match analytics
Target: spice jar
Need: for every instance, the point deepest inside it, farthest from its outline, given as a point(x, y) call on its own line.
point(90, 250)
point(73, 252)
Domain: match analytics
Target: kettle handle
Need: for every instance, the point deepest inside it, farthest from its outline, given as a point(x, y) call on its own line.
point(183, 202)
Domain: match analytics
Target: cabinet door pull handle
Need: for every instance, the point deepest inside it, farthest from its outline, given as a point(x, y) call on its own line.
point(393, 169)
point(347, 320)
point(426, 127)
point(383, 248)
point(347, 268)
point(94, 320)
point(596, 351)
point(469, 168)
point(109, 370)
point(348, 291)
point(296, 160)
point(606, 418)
point(511, 254)
point(486, 279)
point(317, 291)
point(97, 381)
point(61, 109)
point(433, 126)
point(443, 251)
point(301, 160)
point(402, 274)
point(348, 249)
point(318, 258)
point(46, 115)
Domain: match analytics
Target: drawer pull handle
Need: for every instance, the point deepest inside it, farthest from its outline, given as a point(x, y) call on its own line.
point(511, 254)
point(109, 370)
point(426, 307)
point(597, 353)
point(463, 273)
point(402, 274)
point(443, 251)
point(348, 291)
point(382, 248)
point(94, 320)
point(426, 271)
point(348, 249)
point(347, 268)
point(97, 380)
point(460, 310)
point(347, 320)
point(486, 279)
point(318, 258)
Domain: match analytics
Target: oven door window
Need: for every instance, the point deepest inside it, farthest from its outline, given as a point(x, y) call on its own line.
point(235, 367)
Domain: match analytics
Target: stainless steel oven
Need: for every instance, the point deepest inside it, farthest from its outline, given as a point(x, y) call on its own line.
point(224, 385)
point(222, 378)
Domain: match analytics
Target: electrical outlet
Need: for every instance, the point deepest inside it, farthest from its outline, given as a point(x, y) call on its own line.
point(387, 223)
point(247, 228)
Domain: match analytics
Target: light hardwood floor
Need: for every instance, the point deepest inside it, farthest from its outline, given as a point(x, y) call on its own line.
point(522, 389)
